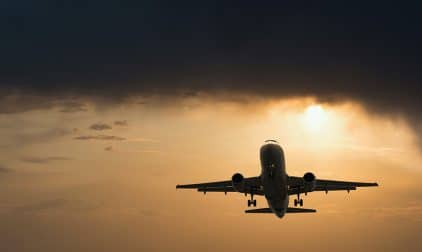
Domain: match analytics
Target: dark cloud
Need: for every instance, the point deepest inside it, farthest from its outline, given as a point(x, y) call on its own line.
point(100, 126)
point(121, 123)
point(334, 51)
point(108, 148)
point(43, 160)
point(11, 102)
point(17, 99)
point(100, 137)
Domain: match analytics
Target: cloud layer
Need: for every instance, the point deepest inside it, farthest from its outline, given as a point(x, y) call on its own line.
point(100, 137)
point(108, 52)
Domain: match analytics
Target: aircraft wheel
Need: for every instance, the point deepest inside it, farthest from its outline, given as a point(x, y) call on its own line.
point(254, 203)
point(249, 203)
point(301, 202)
point(295, 202)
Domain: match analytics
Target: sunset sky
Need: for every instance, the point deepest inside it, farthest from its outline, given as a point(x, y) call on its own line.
point(105, 107)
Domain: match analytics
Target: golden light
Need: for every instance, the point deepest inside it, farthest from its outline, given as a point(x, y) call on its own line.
point(315, 117)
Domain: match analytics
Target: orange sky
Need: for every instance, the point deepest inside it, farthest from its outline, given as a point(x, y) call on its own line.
point(114, 190)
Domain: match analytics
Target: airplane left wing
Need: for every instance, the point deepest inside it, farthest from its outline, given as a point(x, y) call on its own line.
point(219, 184)
point(252, 184)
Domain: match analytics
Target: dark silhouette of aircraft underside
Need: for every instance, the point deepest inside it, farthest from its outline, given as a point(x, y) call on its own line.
point(275, 185)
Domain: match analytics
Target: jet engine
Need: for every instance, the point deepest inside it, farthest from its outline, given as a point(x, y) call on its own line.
point(310, 181)
point(238, 182)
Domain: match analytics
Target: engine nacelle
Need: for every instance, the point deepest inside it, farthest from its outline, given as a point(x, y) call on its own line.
point(310, 181)
point(238, 182)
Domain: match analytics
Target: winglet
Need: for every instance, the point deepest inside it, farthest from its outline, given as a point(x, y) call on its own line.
point(370, 184)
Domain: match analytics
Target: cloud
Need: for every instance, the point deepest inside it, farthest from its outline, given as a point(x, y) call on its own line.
point(325, 51)
point(141, 139)
point(100, 137)
point(43, 160)
point(73, 107)
point(108, 148)
point(16, 102)
point(121, 123)
point(100, 126)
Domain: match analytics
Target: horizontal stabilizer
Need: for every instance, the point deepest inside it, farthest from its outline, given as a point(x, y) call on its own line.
point(299, 210)
point(259, 210)
point(289, 210)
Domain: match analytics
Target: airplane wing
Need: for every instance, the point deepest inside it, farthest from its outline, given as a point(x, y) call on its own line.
point(252, 184)
point(297, 185)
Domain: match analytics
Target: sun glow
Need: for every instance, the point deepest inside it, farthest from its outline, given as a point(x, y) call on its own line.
point(315, 117)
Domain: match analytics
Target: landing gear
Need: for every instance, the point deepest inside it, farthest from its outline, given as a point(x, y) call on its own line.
point(298, 201)
point(251, 201)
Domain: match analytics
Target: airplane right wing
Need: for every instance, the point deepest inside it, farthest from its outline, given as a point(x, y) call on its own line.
point(297, 185)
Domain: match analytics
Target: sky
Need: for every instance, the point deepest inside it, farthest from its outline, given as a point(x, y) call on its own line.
point(106, 106)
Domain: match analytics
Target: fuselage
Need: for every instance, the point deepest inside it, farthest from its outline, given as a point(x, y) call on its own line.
point(274, 178)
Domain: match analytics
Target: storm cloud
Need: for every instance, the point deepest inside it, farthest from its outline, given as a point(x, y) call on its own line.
point(335, 52)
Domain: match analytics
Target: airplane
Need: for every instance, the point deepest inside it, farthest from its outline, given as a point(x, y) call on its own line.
point(275, 184)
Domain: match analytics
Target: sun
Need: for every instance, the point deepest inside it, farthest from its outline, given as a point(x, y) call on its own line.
point(315, 117)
